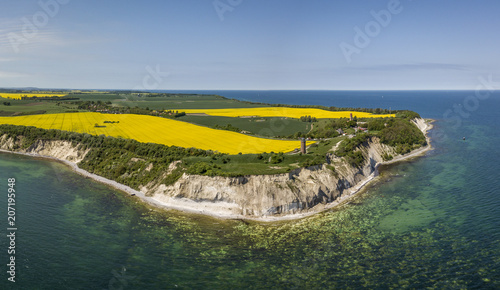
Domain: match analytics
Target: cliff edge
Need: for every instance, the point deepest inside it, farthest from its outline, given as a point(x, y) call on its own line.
point(301, 191)
point(266, 197)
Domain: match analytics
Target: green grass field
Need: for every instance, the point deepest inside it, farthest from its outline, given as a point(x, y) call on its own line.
point(175, 102)
point(249, 164)
point(325, 146)
point(268, 127)
point(171, 102)
point(97, 96)
point(18, 107)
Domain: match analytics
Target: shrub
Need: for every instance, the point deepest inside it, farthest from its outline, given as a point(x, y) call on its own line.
point(276, 158)
point(349, 145)
point(402, 132)
point(387, 157)
point(199, 168)
point(356, 158)
point(317, 160)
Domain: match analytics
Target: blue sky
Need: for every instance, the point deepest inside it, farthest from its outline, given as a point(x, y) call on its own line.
point(248, 44)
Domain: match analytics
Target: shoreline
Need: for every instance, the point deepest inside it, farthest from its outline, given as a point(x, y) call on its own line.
point(192, 210)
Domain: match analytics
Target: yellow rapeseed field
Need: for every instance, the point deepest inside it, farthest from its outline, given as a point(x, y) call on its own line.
point(155, 130)
point(16, 96)
point(282, 112)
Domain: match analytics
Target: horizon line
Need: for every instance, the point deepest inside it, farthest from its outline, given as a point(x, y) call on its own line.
point(372, 90)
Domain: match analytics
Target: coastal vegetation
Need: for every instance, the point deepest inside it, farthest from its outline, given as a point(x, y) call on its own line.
point(348, 148)
point(277, 127)
point(123, 160)
point(402, 135)
point(134, 163)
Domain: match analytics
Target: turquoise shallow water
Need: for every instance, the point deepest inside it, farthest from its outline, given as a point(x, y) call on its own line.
point(432, 222)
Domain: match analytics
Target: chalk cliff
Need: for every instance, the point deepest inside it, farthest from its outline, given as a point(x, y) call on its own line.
point(62, 150)
point(299, 191)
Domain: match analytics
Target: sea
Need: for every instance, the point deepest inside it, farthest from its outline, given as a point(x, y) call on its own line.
point(432, 222)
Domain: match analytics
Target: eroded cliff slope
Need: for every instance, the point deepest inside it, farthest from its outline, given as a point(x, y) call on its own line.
point(264, 195)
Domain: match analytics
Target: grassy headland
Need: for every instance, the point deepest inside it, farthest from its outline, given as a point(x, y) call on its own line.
point(125, 160)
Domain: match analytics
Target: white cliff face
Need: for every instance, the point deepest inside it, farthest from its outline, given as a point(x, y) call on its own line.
point(62, 150)
point(421, 124)
point(300, 191)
